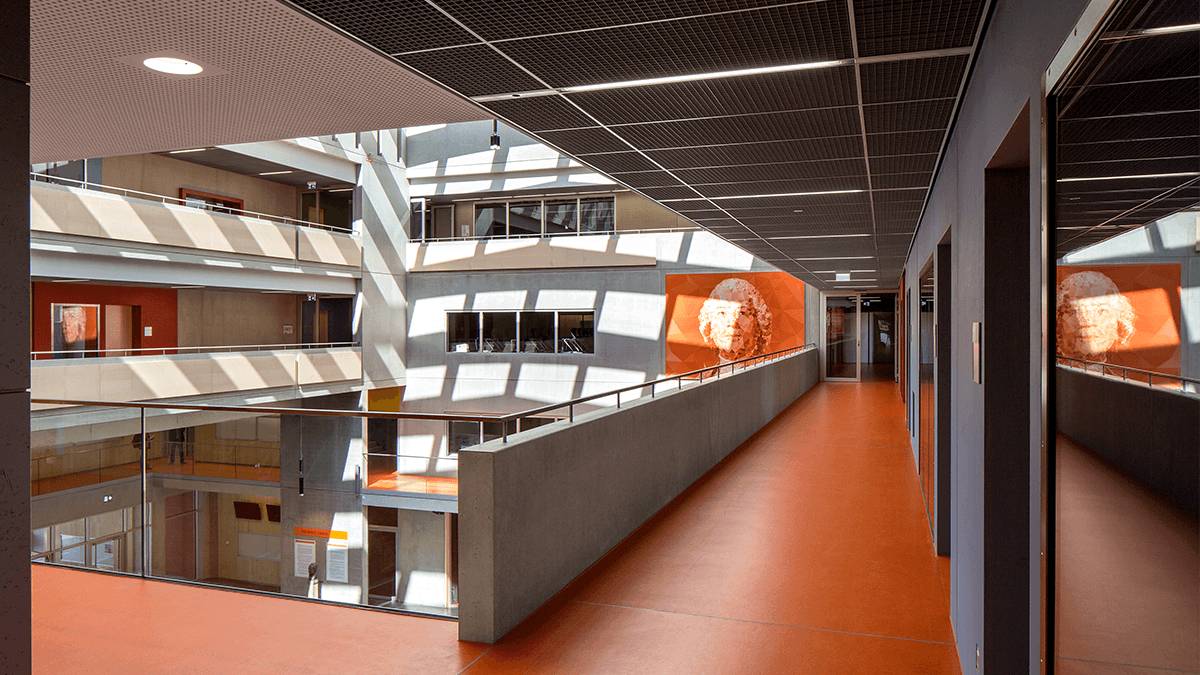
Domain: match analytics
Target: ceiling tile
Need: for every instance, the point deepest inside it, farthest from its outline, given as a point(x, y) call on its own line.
point(475, 70)
point(822, 88)
point(797, 33)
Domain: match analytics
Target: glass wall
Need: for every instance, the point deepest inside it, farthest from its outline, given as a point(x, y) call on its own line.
point(260, 500)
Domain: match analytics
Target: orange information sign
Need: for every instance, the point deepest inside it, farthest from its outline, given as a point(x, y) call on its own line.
point(324, 534)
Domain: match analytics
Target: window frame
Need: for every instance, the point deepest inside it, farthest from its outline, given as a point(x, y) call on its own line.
point(519, 336)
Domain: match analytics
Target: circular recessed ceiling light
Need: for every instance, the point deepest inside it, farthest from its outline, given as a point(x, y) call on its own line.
point(171, 66)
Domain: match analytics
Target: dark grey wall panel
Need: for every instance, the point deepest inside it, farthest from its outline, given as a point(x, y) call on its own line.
point(1021, 39)
point(15, 636)
point(1154, 434)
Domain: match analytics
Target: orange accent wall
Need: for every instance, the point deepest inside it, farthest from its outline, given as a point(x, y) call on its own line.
point(159, 307)
point(686, 293)
point(1154, 293)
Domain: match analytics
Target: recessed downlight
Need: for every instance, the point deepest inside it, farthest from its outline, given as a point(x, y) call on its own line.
point(172, 66)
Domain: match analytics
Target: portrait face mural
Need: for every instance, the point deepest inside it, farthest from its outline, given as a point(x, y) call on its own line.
point(717, 318)
point(1125, 315)
point(74, 328)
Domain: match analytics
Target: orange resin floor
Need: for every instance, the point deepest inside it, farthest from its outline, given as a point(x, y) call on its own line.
point(806, 551)
point(1128, 581)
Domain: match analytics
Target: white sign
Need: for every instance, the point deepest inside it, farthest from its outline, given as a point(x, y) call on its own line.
point(337, 563)
point(304, 554)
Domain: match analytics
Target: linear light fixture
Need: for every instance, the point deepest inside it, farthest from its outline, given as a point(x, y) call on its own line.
point(1147, 32)
point(835, 271)
point(786, 194)
point(1184, 174)
point(340, 189)
point(840, 257)
point(704, 76)
point(180, 152)
point(817, 236)
point(274, 173)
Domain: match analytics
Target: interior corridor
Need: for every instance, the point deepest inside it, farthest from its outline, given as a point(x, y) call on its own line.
point(807, 550)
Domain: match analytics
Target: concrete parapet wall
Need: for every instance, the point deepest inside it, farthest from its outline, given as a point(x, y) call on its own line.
point(1152, 433)
point(539, 510)
point(138, 378)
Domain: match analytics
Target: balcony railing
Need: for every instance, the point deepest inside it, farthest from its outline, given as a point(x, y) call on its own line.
point(149, 196)
point(1129, 374)
point(163, 351)
point(125, 498)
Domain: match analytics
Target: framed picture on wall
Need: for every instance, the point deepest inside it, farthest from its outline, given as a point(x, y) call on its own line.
point(74, 330)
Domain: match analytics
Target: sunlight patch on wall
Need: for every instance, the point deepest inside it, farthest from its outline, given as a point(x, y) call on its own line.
point(425, 382)
point(546, 382)
point(638, 315)
point(707, 250)
point(428, 315)
point(480, 380)
point(499, 300)
point(565, 299)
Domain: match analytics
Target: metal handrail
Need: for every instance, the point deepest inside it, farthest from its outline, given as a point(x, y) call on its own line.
point(1125, 370)
point(546, 235)
point(570, 405)
point(126, 192)
point(162, 351)
point(451, 417)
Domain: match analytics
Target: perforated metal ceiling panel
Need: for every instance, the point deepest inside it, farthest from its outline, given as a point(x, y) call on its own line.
point(268, 76)
point(1128, 125)
point(863, 117)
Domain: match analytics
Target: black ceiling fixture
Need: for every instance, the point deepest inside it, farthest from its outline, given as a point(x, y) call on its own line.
point(495, 141)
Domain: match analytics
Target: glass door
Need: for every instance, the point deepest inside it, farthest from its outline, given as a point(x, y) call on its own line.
point(842, 345)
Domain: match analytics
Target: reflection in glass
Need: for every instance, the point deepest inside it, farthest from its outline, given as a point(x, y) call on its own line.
point(841, 337)
point(490, 220)
point(537, 332)
point(462, 331)
point(596, 215)
point(499, 331)
point(576, 332)
point(561, 216)
point(524, 218)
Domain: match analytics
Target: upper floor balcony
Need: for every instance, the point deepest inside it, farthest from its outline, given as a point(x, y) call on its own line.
point(108, 215)
point(167, 373)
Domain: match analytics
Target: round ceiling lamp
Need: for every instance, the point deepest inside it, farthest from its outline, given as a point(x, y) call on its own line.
point(172, 66)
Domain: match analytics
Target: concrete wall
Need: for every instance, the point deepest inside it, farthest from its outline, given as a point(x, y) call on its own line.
point(1021, 38)
point(211, 318)
point(630, 307)
point(1150, 432)
point(381, 216)
point(139, 378)
point(164, 176)
point(58, 210)
point(1172, 240)
point(537, 511)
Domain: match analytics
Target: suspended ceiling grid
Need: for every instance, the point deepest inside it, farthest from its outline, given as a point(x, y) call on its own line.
point(817, 171)
point(1128, 132)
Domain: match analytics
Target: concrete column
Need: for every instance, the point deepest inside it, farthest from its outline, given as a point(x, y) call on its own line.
point(15, 636)
point(382, 218)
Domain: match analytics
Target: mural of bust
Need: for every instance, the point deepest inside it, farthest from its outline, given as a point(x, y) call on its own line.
point(1093, 316)
point(735, 320)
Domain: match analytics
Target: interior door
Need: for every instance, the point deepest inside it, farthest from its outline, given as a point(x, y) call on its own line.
point(842, 343)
